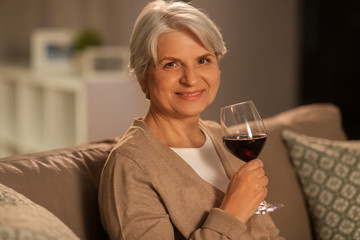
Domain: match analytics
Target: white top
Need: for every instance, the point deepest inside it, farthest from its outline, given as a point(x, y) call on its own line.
point(206, 162)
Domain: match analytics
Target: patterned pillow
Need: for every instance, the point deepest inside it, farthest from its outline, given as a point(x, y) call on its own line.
point(329, 172)
point(21, 219)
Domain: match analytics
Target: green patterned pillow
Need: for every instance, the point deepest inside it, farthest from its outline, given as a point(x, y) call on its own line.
point(22, 219)
point(329, 172)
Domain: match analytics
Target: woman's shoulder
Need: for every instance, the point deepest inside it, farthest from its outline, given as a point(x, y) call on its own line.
point(135, 135)
point(131, 142)
point(137, 145)
point(128, 153)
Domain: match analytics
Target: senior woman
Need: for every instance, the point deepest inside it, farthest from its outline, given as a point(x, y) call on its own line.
point(169, 177)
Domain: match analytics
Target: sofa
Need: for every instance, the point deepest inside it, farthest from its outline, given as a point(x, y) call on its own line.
point(65, 182)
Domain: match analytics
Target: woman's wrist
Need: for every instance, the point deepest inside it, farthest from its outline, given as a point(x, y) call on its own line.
point(223, 222)
point(235, 213)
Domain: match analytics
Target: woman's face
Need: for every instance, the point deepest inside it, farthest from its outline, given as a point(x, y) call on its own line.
point(185, 79)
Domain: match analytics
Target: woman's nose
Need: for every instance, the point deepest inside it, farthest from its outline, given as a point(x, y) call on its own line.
point(189, 76)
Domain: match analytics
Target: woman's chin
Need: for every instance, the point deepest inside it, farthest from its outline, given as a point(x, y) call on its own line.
point(193, 111)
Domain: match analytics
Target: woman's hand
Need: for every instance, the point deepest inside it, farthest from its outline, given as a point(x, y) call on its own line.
point(246, 190)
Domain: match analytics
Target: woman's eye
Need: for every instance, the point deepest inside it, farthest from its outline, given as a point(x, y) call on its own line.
point(203, 61)
point(170, 65)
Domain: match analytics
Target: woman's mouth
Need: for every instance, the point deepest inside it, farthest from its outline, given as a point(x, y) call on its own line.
point(190, 95)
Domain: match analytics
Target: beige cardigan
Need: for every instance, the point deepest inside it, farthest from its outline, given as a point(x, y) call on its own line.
point(147, 191)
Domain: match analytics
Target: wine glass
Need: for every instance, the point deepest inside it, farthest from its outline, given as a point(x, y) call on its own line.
point(244, 136)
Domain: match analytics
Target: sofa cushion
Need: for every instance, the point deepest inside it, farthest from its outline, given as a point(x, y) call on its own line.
point(319, 120)
point(329, 172)
point(22, 219)
point(64, 181)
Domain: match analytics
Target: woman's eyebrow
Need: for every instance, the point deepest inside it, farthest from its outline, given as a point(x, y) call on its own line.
point(168, 58)
point(179, 60)
point(207, 55)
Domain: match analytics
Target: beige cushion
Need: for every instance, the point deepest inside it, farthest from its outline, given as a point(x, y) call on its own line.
point(319, 120)
point(22, 219)
point(64, 181)
point(329, 172)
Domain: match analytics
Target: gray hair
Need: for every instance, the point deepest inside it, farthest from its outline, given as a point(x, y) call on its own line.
point(160, 17)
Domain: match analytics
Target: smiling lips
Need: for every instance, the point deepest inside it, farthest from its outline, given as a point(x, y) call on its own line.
point(190, 95)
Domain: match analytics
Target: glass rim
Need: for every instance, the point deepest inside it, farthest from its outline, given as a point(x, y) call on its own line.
point(237, 104)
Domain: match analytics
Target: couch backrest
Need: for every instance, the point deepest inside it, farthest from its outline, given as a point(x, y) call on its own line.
point(318, 120)
point(64, 181)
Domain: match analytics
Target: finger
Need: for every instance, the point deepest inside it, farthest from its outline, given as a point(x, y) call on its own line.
point(259, 172)
point(264, 181)
point(259, 162)
point(261, 186)
point(254, 164)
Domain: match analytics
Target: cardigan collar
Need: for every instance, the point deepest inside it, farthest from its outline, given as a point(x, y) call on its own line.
point(229, 162)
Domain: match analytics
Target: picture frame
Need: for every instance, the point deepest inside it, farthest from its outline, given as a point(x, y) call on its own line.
point(105, 62)
point(52, 51)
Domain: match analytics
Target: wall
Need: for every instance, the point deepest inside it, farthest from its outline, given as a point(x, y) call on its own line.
point(262, 62)
point(261, 36)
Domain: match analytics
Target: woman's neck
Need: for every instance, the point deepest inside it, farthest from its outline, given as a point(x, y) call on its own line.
point(177, 133)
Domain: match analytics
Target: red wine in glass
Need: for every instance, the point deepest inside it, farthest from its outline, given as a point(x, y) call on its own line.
point(244, 136)
point(244, 148)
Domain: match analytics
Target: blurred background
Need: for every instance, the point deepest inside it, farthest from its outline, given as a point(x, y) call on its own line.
point(281, 54)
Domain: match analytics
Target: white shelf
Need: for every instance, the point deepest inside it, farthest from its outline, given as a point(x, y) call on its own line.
point(30, 113)
point(59, 115)
point(41, 112)
point(7, 105)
